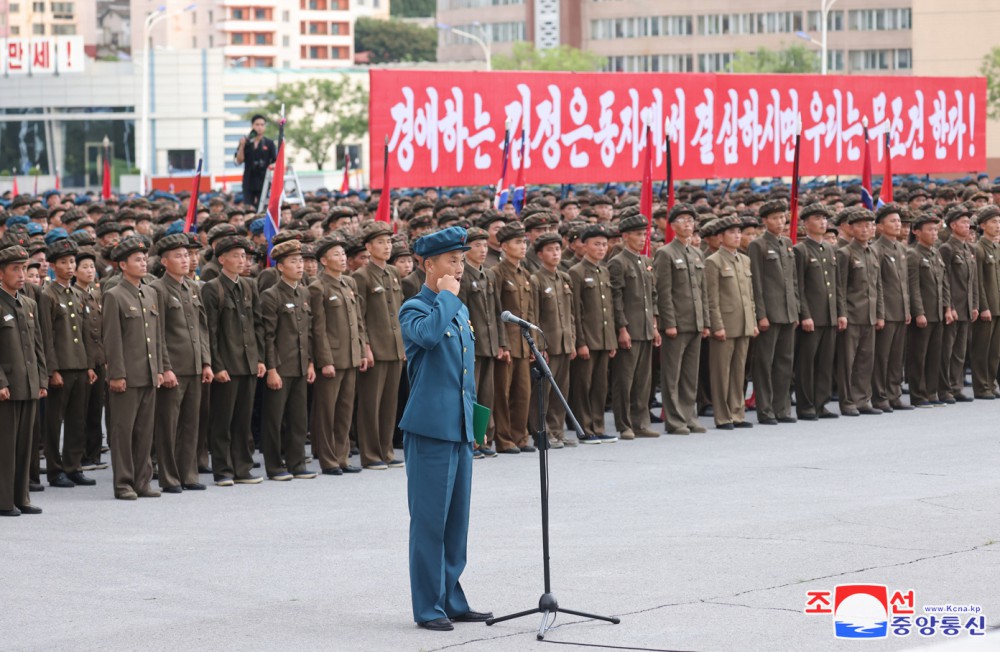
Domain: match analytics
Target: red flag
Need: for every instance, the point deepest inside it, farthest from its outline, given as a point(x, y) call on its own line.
point(793, 202)
point(866, 172)
point(193, 201)
point(14, 191)
point(383, 214)
point(885, 195)
point(345, 185)
point(646, 195)
point(106, 176)
point(57, 179)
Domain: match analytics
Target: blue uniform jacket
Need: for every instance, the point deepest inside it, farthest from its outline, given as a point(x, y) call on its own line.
point(440, 364)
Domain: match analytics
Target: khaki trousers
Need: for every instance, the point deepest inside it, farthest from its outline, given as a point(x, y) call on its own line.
point(16, 436)
point(985, 355)
point(727, 368)
point(176, 432)
point(512, 383)
point(66, 413)
point(378, 394)
point(130, 437)
point(890, 352)
point(333, 405)
point(680, 359)
point(631, 376)
point(773, 363)
point(855, 361)
point(588, 390)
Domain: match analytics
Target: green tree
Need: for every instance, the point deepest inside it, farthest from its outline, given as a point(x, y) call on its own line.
point(794, 58)
point(320, 114)
point(990, 69)
point(413, 8)
point(395, 40)
point(562, 58)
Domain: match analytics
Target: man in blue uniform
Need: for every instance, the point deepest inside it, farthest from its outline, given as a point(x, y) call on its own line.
point(437, 432)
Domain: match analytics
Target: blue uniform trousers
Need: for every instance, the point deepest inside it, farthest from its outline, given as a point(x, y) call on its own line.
point(439, 486)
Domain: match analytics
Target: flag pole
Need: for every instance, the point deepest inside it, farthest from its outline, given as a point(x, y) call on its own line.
point(793, 201)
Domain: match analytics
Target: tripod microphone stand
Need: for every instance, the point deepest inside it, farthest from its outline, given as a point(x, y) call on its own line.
point(547, 604)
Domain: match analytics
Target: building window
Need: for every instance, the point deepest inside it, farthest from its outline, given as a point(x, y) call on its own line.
point(641, 27)
point(834, 21)
point(773, 22)
point(261, 14)
point(38, 29)
point(238, 39)
point(650, 63)
point(835, 60)
point(318, 52)
point(904, 59)
point(14, 7)
point(180, 160)
point(63, 30)
point(340, 29)
point(871, 59)
point(286, 41)
point(211, 41)
point(38, 7)
point(715, 62)
point(262, 39)
point(877, 20)
point(237, 14)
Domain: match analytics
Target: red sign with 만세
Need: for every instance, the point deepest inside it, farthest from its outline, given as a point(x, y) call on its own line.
point(447, 128)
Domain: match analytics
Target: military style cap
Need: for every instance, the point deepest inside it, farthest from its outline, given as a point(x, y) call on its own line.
point(539, 219)
point(454, 238)
point(886, 210)
point(510, 231)
point(600, 199)
point(860, 214)
point(171, 242)
point(354, 247)
point(230, 242)
point(285, 249)
point(594, 231)
point(373, 230)
point(193, 243)
point(399, 250)
point(475, 233)
point(546, 239)
point(682, 209)
point(771, 207)
point(127, 247)
point(256, 227)
point(285, 236)
point(61, 249)
point(841, 217)
point(327, 243)
point(19, 201)
point(55, 235)
point(987, 213)
point(14, 254)
point(917, 192)
point(633, 223)
point(104, 228)
point(956, 213)
point(83, 238)
point(38, 213)
point(726, 223)
point(489, 217)
point(815, 209)
point(84, 253)
point(924, 218)
point(709, 228)
point(220, 231)
point(421, 222)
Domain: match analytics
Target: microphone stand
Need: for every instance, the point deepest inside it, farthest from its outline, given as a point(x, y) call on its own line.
point(547, 604)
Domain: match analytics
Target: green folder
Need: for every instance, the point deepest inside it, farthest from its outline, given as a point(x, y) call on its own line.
point(480, 421)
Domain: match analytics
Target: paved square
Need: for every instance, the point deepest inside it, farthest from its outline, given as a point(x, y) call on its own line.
point(705, 542)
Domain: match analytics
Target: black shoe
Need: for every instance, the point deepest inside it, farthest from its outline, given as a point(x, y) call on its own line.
point(487, 451)
point(510, 451)
point(808, 416)
point(204, 469)
point(62, 482)
point(354, 451)
point(197, 486)
point(36, 487)
point(528, 449)
point(336, 470)
point(962, 398)
point(724, 426)
point(473, 617)
point(350, 468)
point(826, 414)
point(437, 625)
point(29, 509)
point(767, 421)
point(985, 397)
point(14, 511)
point(787, 420)
point(742, 424)
point(850, 412)
point(898, 406)
point(176, 489)
point(79, 478)
point(869, 410)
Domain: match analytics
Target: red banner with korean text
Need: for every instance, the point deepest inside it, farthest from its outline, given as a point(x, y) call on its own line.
point(446, 128)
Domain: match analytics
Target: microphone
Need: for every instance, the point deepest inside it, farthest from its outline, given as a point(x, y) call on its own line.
point(511, 318)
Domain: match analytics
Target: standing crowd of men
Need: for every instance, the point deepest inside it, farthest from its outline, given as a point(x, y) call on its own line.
point(191, 351)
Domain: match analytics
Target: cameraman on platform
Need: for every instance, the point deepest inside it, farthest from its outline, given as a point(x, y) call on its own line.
point(257, 153)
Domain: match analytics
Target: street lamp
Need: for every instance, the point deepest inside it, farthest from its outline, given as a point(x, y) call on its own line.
point(824, 12)
point(151, 20)
point(471, 37)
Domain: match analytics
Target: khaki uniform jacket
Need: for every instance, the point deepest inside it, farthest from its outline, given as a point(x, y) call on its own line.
point(552, 294)
point(929, 291)
point(184, 327)
point(593, 306)
point(413, 282)
point(132, 334)
point(493, 257)
point(235, 337)
point(988, 276)
point(479, 293)
point(93, 326)
point(380, 297)
point(270, 276)
point(287, 320)
point(681, 295)
point(895, 285)
point(531, 261)
point(729, 282)
point(775, 293)
point(339, 336)
point(22, 352)
point(633, 291)
point(859, 285)
point(816, 269)
point(960, 266)
point(62, 322)
point(514, 285)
